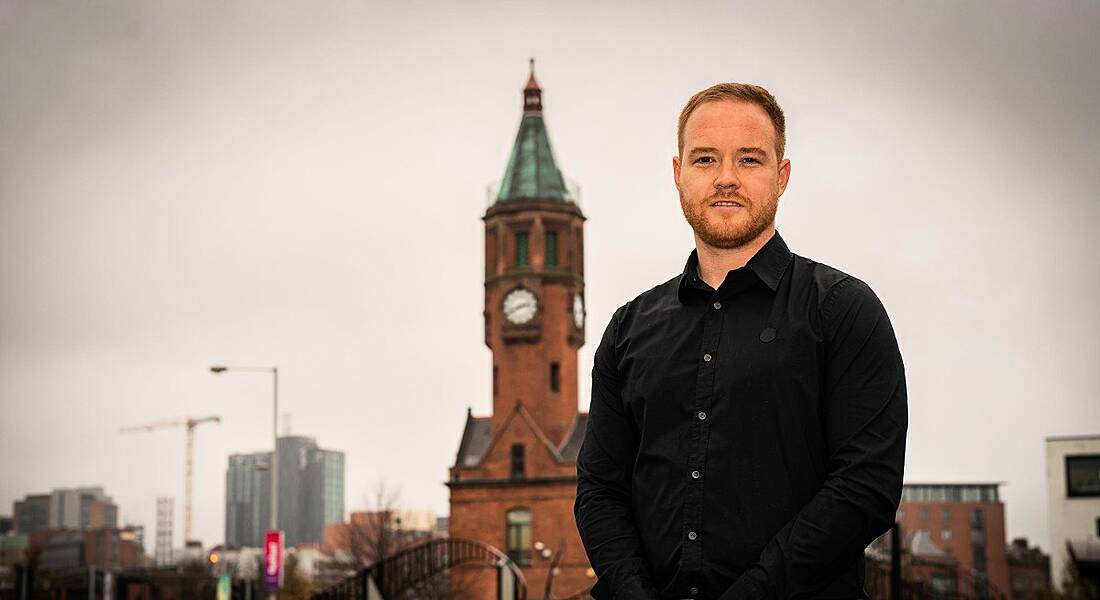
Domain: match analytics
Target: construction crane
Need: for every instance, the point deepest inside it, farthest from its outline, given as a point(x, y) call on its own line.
point(190, 424)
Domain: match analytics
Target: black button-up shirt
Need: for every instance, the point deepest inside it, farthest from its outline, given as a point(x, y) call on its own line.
point(744, 442)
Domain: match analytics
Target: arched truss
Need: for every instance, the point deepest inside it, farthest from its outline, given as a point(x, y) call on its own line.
point(387, 579)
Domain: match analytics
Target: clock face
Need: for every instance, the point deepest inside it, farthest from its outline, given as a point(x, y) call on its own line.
point(578, 311)
point(520, 306)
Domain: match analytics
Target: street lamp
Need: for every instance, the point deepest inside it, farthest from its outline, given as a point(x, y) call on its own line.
point(274, 524)
point(552, 570)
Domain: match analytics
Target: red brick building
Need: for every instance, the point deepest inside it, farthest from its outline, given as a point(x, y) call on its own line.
point(966, 521)
point(106, 547)
point(1028, 570)
point(514, 479)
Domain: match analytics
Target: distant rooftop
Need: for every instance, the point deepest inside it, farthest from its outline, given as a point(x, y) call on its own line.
point(950, 492)
point(1073, 438)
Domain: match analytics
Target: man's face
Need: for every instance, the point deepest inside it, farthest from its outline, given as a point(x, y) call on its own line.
point(729, 179)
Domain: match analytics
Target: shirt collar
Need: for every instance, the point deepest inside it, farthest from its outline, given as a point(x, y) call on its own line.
point(768, 264)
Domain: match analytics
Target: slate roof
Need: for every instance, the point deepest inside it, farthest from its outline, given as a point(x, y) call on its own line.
point(477, 436)
point(922, 545)
point(475, 440)
point(572, 444)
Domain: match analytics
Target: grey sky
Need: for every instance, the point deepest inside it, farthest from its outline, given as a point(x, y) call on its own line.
point(191, 183)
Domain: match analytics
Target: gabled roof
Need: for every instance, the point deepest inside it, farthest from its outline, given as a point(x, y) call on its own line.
point(532, 173)
point(478, 439)
point(571, 446)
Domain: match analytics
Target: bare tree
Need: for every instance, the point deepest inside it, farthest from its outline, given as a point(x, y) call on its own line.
point(295, 585)
point(377, 534)
point(374, 535)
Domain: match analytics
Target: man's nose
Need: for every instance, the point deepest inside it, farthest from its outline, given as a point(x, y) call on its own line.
point(727, 177)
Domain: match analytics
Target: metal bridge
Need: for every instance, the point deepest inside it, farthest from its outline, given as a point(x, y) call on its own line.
point(389, 578)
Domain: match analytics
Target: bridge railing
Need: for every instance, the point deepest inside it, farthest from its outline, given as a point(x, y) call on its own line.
point(389, 578)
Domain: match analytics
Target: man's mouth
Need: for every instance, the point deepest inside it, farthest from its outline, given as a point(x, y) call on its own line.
point(726, 203)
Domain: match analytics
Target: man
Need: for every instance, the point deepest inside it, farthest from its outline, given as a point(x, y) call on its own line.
point(746, 435)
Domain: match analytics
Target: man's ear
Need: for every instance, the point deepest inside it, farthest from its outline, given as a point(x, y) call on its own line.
point(676, 171)
point(784, 175)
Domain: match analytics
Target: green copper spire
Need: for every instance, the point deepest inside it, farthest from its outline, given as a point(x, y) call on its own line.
point(531, 172)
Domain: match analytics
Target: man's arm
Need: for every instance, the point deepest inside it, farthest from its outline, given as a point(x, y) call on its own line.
point(604, 465)
point(865, 418)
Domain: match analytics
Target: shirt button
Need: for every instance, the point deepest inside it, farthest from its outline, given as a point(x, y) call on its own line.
point(706, 357)
point(717, 306)
point(695, 474)
point(694, 591)
point(692, 535)
point(702, 415)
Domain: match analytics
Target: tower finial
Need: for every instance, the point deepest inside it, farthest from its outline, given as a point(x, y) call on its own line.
point(532, 93)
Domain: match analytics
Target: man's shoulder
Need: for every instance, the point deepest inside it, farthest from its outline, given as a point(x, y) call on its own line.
point(835, 290)
point(660, 297)
point(825, 279)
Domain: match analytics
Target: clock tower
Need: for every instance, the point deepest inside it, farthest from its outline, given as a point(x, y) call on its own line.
point(514, 478)
point(534, 280)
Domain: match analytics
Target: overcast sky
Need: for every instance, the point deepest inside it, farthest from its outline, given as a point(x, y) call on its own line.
point(301, 184)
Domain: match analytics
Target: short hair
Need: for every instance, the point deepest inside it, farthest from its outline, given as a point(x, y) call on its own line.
point(741, 92)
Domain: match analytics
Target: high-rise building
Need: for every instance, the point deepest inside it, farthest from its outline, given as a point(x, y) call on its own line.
point(514, 478)
point(247, 499)
point(311, 493)
point(332, 487)
point(1073, 502)
point(165, 525)
point(965, 522)
point(32, 513)
point(82, 508)
point(66, 508)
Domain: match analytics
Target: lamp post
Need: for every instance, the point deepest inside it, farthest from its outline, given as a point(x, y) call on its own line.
point(552, 570)
point(274, 523)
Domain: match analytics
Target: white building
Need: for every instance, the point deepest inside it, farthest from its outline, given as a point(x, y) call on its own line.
point(1073, 499)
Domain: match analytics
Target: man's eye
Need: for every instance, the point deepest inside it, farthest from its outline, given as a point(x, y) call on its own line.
point(751, 160)
point(702, 158)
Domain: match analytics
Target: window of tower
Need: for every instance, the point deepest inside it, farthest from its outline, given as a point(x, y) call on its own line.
point(496, 380)
point(551, 248)
point(522, 257)
point(518, 468)
point(518, 522)
point(555, 376)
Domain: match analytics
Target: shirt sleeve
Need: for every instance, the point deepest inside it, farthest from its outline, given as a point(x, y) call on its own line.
point(604, 464)
point(865, 417)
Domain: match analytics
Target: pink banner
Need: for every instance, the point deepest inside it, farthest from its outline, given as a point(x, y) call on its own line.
point(273, 560)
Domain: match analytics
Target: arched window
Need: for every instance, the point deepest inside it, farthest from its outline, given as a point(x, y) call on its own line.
point(519, 535)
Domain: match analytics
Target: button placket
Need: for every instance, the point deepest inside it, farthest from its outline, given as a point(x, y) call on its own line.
point(697, 440)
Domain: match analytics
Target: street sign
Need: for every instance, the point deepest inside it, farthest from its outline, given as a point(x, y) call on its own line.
point(273, 560)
